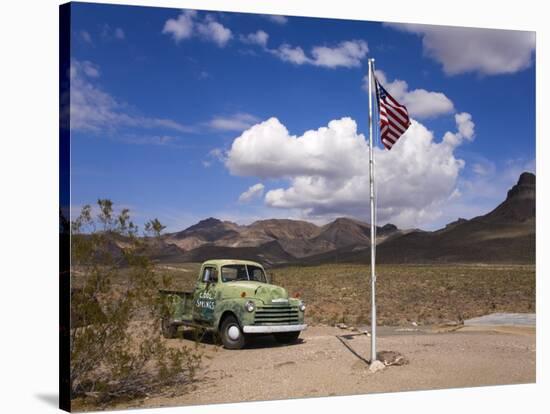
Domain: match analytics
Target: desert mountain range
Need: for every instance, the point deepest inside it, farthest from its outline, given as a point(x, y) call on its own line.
point(504, 235)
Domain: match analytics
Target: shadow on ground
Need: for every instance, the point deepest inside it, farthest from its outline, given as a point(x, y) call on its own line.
point(254, 342)
point(50, 399)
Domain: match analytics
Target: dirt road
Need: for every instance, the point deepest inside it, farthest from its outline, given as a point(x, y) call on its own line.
point(321, 365)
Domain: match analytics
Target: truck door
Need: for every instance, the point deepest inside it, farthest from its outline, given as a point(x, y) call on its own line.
point(204, 300)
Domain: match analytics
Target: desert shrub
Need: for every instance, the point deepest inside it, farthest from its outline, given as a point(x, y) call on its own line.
point(116, 347)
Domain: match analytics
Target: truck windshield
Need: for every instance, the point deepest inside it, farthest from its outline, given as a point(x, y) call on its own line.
point(231, 273)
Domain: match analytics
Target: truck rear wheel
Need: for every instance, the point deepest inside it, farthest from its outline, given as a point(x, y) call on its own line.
point(169, 330)
point(231, 334)
point(286, 337)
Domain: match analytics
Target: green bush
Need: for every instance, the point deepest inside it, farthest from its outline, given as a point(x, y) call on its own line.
point(116, 347)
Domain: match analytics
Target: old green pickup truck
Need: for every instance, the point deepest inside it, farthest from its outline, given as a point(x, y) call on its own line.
point(234, 299)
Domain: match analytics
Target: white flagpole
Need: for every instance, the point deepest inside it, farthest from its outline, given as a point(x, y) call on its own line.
point(372, 218)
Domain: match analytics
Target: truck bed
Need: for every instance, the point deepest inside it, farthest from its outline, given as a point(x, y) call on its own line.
point(179, 305)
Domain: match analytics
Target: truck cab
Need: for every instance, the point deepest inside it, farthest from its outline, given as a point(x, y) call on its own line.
point(235, 299)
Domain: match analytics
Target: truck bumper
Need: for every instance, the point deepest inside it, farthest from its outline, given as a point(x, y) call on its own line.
point(273, 328)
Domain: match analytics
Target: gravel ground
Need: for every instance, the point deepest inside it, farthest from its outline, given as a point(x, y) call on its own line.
point(320, 365)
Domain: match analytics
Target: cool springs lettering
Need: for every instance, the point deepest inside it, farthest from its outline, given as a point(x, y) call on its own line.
point(205, 300)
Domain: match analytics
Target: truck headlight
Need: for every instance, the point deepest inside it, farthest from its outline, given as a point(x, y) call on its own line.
point(302, 307)
point(249, 306)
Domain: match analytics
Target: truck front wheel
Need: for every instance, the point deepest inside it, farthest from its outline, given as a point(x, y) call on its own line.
point(231, 333)
point(286, 337)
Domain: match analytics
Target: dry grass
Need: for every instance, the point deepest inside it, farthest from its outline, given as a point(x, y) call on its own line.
point(426, 294)
point(407, 293)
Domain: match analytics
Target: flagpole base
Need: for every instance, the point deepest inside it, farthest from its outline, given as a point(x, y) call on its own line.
point(376, 366)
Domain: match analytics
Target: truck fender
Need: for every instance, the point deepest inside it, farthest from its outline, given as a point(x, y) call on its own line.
point(224, 315)
point(234, 307)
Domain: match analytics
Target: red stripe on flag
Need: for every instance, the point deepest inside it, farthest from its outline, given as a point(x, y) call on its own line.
point(394, 117)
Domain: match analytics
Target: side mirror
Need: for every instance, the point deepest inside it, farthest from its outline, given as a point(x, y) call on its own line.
point(268, 277)
point(213, 278)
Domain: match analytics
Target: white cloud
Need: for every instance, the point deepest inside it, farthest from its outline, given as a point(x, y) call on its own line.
point(276, 18)
point(465, 131)
point(327, 170)
point(346, 54)
point(181, 27)
point(484, 167)
point(85, 35)
point(93, 109)
point(88, 68)
point(253, 192)
point(215, 154)
point(291, 54)
point(119, 33)
point(188, 23)
point(109, 33)
point(214, 31)
point(419, 102)
point(465, 125)
point(485, 51)
point(258, 38)
point(268, 150)
point(236, 122)
point(159, 140)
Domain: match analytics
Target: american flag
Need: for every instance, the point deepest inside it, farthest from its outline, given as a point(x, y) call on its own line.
point(394, 117)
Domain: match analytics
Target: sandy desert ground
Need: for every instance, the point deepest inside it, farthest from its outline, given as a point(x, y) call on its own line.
point(321, 364)
point(488, 351)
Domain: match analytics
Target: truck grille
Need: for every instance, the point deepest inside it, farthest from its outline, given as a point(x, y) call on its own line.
point(276, 315)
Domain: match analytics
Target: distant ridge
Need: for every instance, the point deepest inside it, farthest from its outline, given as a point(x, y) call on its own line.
point(295, 238)
point(504, 235)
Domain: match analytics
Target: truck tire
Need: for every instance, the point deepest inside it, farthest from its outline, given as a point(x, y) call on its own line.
point(231, 334)
point(286, 337)
point(169, 330)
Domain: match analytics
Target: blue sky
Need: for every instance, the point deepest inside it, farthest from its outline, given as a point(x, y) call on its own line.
point(184, 115)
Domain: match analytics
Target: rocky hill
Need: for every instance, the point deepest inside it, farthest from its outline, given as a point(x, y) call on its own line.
point(504, 235)
point(294, 238)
